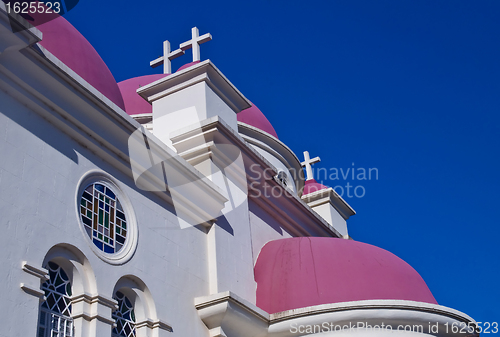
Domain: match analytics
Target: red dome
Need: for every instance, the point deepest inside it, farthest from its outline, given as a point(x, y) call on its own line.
point(135, 104)
point(300, 272)
point(67, 44)
point(312, 186)
point(254, 117)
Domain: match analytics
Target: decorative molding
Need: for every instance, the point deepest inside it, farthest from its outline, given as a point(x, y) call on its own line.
point(32, 291)
point(329, 195)
point(197, 142)
point(226, 314)
point(89, 310)
point(370, 305)
point(91, 299)
point(41, 273)
point(89, 317)
point(277, 148)
point(204, 71)
point(154, 324)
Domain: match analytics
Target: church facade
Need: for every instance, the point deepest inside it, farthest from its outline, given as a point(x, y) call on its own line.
point(166, 205)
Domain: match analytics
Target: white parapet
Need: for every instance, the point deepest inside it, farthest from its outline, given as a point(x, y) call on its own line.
point(190, 96)
point(331, 207)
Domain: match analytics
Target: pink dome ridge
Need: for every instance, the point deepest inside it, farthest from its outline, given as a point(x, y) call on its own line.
point(187, 65)
point(135, 104)
point(311, 186)
point(67, 44)
point(254, 117)
point(307, 271)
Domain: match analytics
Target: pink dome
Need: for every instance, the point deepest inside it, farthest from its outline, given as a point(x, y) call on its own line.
point(312, 186)
point(254, 117)
point(187, 65)
point(300, 272)
point(135, 104)
point(67, 44)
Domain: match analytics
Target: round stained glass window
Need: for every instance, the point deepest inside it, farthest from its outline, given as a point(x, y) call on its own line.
point(103, 218)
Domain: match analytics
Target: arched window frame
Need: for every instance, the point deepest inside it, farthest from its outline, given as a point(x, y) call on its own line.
point(124, 317)
point(55, 311)
point(146, 320)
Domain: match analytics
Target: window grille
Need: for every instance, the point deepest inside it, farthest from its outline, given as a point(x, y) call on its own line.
point(124, 317)
point(103, 218)
point(55, 312)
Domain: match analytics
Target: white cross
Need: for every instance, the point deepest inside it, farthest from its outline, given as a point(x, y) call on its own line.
point(166, 58)
point(307, 164)
point(195, 42)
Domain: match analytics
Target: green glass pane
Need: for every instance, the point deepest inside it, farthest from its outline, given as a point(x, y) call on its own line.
point(100, 216)
point(101, 197)
point(124, 225)
point(89, 214)
point(106, 240)
point(83, 202)
point(99, 235)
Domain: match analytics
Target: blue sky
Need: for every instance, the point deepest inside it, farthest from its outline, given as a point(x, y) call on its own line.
point(409, 88)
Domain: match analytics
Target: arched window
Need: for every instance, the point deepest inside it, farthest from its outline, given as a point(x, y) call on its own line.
point(55, 312)
point(124, 317)
point(281, 177)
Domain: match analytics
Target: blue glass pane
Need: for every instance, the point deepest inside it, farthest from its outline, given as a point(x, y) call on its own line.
point(110, 194)
point(99, 187)
point(87, 221)
point(87, 196)
point(120, 215)
point(108, 249)
point(98, 243)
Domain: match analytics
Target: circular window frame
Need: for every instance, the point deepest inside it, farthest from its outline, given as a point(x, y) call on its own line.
point(130, 245)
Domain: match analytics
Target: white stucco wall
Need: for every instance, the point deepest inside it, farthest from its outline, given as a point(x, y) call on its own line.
point(39, 173)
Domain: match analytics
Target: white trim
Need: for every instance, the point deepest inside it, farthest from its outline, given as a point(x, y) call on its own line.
point(276, 147)
point(226, 314)
point(204, 71)
point(299, 219)
point(326, 195)
point(41, 273)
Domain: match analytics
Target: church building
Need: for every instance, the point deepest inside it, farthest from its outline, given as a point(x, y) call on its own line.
point(167, 206)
